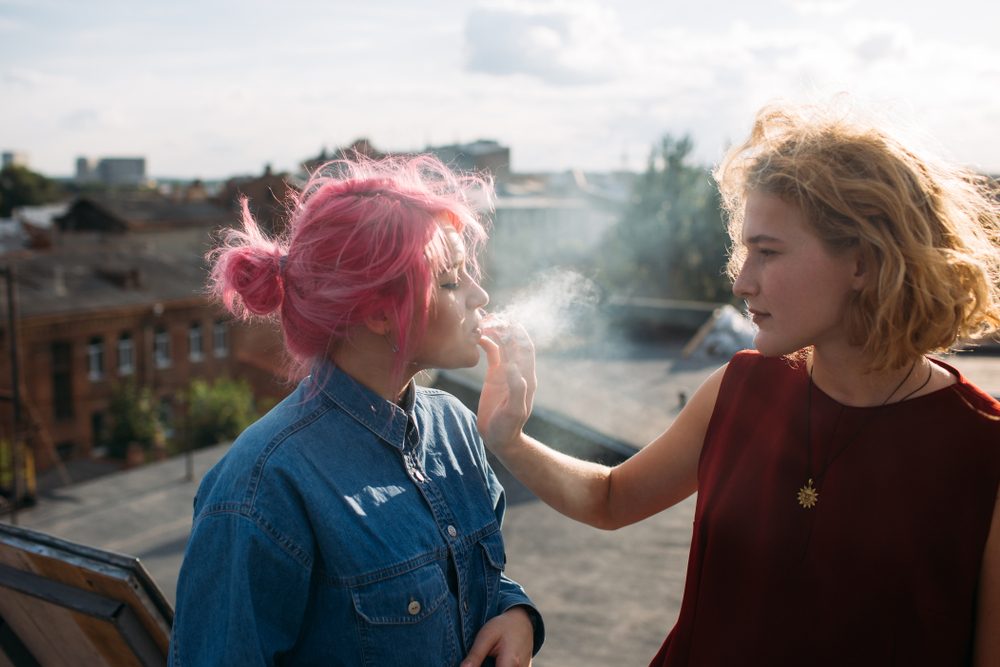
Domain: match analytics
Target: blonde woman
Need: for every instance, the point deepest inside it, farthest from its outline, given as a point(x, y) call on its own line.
point(847, 482)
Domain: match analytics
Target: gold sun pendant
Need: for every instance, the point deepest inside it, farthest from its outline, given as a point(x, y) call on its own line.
point(808, 495)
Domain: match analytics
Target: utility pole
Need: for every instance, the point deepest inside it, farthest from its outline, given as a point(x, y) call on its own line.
point(15, 378)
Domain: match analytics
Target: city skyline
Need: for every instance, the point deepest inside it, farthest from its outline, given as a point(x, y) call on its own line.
point(217, 89)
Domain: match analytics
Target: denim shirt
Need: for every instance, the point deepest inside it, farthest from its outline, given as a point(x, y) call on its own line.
point(341, 529)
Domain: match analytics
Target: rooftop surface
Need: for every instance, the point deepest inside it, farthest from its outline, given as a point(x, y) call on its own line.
point(85, 272)
point(608, 598)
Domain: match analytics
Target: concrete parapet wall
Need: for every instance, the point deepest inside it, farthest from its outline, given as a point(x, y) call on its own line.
point(554, 429)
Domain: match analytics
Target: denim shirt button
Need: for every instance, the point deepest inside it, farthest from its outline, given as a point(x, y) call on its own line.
point(452, 532)
point(413, 608)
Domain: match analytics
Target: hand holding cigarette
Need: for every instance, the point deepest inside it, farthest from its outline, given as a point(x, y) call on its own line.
point(509, 387)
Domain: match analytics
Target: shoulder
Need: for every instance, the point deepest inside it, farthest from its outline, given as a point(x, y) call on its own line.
point(750, 366)
point(443, 405)
point(446, 415)
point(752, 384)
point(271, 442)
point(979, 404)
point(979, 410)
point(261, 484)
point(433, 395)
point(752, 360)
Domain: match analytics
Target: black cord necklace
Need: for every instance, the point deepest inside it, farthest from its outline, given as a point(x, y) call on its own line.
point(808, 495)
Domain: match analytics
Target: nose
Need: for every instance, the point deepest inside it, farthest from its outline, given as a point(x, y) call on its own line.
point(744, 286)
point(478, 297)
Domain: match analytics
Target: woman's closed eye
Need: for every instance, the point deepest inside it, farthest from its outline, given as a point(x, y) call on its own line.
point(451, 280)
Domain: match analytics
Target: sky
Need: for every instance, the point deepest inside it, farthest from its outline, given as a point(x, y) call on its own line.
point(217, 88)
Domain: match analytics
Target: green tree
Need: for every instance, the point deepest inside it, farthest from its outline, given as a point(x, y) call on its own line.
point(133, 418)
point(20, 186)
point(217, 411)
point(671, 241)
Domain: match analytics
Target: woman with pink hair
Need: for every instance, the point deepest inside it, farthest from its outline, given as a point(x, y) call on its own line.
point(357, 522)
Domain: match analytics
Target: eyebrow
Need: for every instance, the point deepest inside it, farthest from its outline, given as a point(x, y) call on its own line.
point(457, 263)
point(761, 238)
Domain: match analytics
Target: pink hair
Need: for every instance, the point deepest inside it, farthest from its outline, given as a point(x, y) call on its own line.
point(363, 238)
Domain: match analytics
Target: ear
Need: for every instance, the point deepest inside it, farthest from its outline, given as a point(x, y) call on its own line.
point(860, 277)
point(378, 323)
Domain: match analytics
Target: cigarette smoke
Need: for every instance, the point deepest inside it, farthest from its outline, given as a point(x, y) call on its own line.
point(556, 304)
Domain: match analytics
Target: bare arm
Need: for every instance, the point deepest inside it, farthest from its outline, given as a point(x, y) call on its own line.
point(659, 476)
point(987, 650)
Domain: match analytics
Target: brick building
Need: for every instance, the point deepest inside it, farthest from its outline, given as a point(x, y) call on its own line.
point(266, 195)
point(119, 297)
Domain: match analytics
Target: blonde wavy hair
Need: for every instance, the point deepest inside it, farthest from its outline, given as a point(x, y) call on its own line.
point(929, 231)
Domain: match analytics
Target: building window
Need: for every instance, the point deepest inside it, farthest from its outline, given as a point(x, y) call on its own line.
point(62, 380)
point(195, 343)
point(126, 349)
point(95, 359)
point(220, 339)
point(161, 348)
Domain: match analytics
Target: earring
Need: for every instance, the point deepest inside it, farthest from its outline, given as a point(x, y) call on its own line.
point(392, 343)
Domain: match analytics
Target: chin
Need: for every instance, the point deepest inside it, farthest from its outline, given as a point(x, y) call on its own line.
point(472, 360)
point(773, 348)
point(467, 360)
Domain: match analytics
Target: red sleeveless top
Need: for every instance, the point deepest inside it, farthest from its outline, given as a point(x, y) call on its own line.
point(883, 570)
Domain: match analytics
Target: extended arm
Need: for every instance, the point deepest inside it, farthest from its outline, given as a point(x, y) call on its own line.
point(660, 475)
point(988, 614)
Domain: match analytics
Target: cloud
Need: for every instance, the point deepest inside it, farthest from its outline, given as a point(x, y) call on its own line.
point(562, 44)
point(10, 25)
point(827, 8)
point(82, 120)
point(875, 42)
point(19, 78)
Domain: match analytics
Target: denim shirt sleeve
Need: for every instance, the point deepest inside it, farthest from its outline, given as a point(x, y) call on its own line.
point(511, 592)
point(252, 593)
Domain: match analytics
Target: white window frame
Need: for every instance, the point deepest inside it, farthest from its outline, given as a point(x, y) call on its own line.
point(161, 348)
point(196, 352)
point(95, 359)
point(126, 354)
point(220, 339)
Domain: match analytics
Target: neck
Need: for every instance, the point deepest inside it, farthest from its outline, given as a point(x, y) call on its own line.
point(369, 360)
point(846, 378)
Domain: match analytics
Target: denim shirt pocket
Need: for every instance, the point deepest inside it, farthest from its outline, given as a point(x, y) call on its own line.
point(405, 618)
point(494, 562)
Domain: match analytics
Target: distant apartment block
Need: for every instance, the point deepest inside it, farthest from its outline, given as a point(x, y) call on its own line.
point(14, 159)
point(111, 171)
point(484, 155)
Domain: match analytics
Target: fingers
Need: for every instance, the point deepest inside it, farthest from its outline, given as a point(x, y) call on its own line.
point(523, 355)
point(492, 350)
point(508, 346)
point(517, 386)
point(482, 647)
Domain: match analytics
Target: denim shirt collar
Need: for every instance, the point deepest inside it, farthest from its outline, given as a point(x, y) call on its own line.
point(385, 419)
